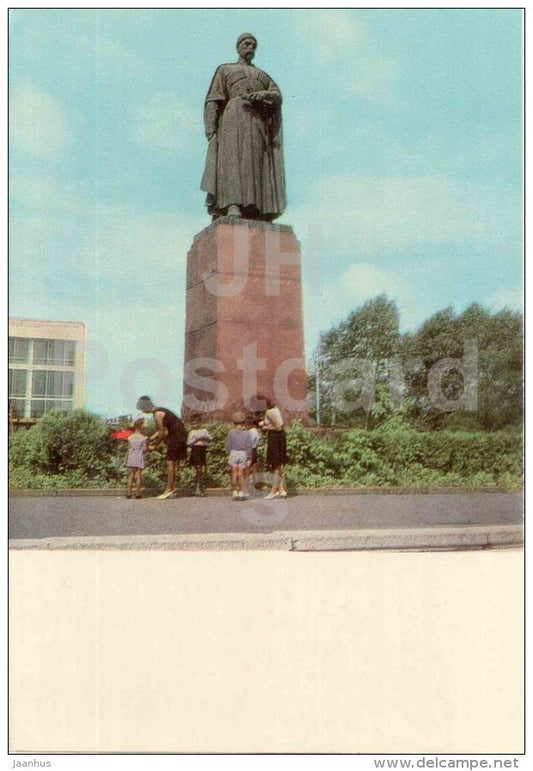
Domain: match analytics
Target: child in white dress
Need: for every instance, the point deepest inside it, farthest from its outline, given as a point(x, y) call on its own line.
point(137, 444)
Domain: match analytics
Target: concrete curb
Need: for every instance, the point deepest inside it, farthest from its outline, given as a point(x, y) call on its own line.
point(416, 539)
point(215, 492)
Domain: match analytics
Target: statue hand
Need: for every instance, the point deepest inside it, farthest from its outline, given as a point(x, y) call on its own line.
point(256, 96)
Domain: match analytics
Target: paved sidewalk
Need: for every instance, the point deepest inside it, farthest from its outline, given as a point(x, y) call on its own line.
point(300, 523)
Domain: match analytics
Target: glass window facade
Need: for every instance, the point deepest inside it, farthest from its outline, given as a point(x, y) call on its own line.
point(17, 382)
point(41, 376)
point(56, 352)
point(19, 350)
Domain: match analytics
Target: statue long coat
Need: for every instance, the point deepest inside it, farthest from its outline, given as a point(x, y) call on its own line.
point(244, 164)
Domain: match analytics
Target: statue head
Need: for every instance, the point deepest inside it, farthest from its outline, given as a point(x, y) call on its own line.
point(246, 45)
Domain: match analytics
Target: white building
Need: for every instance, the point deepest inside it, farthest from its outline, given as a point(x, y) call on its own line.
point(46, 367)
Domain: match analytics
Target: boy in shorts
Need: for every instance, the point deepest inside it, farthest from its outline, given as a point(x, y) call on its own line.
point(198, 440)
point(239, 446)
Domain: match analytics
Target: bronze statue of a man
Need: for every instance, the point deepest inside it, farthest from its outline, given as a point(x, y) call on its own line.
point(244, 174)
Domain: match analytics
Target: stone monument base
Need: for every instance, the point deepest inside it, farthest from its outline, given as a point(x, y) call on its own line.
point(244, 330)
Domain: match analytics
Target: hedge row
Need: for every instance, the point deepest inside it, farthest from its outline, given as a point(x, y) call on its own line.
point(406, 458)
point(77, 451)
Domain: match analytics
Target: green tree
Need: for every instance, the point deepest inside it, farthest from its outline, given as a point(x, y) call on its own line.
point(497, 341)
point(353, 361)
point(455, 371)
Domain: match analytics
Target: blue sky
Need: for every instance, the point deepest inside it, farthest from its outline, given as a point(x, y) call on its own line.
point(403, 153)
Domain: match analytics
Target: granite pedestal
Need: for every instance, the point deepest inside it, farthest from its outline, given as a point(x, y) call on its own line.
point(244, 330)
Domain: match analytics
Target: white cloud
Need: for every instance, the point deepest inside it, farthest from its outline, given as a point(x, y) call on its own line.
point(139, 349)
point(332, 32)
point(336, 37)
point(96, 235)
point(116, 62)
point(368, 215)
point(364, 280)
point(164, 122)
point(120, 271)
point(134, 264)
point(360, 282)
point(39, 124)
point(82, 44)
point(124, 241)
point(513, 299)
point(376, 79)
point(47, 194)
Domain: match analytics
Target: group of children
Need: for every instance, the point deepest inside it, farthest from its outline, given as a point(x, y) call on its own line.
point(241, 444)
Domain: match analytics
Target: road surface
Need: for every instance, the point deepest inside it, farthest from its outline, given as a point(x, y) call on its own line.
point(104, 522)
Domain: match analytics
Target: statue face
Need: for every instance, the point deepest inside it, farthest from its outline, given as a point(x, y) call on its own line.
point(246, 49)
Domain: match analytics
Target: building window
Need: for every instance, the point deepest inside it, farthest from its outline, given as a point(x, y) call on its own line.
point(38, 385)
point(58, 352)
point(51, 390)
point(17, 408)
point(19, 350)
point(40, 407)
point(55, 385)
point(41, 376)
point(17, 382)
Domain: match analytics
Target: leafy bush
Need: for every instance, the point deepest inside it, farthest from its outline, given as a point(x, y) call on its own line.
point(404, 457)
point(75, 446)
point(76, 450)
